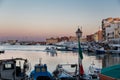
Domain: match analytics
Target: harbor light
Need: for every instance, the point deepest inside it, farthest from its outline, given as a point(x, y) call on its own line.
point(79, 33)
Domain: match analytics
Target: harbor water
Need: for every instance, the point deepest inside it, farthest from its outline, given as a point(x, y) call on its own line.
point(36, 52)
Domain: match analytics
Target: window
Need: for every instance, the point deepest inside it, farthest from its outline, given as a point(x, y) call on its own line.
point(42, 69)
point(8, 66)
point(37, 69)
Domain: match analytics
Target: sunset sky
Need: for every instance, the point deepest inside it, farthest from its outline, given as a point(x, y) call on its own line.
point(41, 19)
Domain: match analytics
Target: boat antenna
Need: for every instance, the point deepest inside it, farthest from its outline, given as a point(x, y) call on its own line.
point(93, 63)
point(40, 59)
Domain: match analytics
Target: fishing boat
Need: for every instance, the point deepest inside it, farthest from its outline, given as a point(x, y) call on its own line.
point(110, 73)
point(13, 69)
point(40, 72)
point(60, 73)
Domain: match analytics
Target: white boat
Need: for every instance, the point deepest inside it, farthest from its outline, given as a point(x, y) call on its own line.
point(13, 69)
point(51, 50)
point(94, 71)
point(2, 50)
point(115, 48)
point(61, 73)
point(114, 45)
point(71, 46)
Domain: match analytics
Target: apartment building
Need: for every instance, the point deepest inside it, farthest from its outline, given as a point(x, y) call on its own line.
point(110, 28)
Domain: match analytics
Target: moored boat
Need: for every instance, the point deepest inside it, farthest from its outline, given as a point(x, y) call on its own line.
point(51, 50)
point(94, 71)
point(100, 51)
point(60, 73)
point(110, 73)
point(13, 69)
point(114, 45)
point(40, 72)
point(64, 49)
point(2, 50)
point(114, 48)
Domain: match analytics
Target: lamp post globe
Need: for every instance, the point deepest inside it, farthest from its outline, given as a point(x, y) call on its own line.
point(79, 33)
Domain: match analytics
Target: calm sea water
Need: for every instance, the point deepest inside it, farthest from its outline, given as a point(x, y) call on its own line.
point(34, 53)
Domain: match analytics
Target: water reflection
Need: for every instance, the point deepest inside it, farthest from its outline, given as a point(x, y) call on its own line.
point(59, 58)
point(110, 59)
point(107, 59)
point(51, 54)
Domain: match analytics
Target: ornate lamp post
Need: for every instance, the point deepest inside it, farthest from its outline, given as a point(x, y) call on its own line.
point(80, 56)
point(79, 34)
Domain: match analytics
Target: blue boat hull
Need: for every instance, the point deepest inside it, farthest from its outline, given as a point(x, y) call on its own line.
point(100, 52)
point(41, 76)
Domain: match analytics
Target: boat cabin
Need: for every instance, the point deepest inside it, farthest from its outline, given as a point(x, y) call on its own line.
point(12, 69)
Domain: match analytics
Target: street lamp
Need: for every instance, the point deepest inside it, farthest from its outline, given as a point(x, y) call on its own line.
point(79, 33)
point(80, 56)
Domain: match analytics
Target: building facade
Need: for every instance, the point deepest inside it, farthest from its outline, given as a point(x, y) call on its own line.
point(110, 28)
point(95, 36)
point(52, 40)
point(72, 39)
point(90, 38)
point(100, 37)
